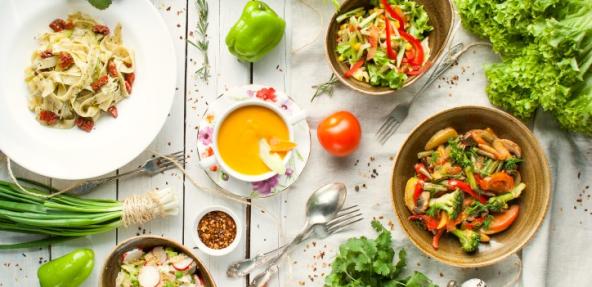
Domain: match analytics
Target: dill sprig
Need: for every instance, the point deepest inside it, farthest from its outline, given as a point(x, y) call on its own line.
point(202, 42)
point(327, 87)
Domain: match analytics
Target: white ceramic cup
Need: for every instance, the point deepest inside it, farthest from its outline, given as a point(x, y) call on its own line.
point(290, 121)
point(205, 249)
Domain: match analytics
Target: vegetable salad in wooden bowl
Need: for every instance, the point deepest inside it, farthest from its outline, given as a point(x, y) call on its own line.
point(470, 186)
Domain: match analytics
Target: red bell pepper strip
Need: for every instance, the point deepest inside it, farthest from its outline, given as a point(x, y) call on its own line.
point(397, 16)
point(436, 238)
point(389, 46)
point(454, 184)
point(418, 190)
point(475, 223)
point(354, 68)
point(430, 223)
point(418, 70)
point(418, 49)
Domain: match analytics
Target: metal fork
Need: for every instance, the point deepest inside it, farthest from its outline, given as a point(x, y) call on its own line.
point(318, 231)
point(400, 112)
point(345, 218)
point(150, 167)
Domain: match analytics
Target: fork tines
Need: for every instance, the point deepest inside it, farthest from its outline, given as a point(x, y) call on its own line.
point(345, 217)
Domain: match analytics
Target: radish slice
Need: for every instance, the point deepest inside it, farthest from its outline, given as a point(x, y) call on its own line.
point(160, 254)
point(132, 255)
point(183, 264)
point(198, 281)
point(149, 276)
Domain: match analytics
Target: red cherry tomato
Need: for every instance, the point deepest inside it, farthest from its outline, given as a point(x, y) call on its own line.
point(340, 133)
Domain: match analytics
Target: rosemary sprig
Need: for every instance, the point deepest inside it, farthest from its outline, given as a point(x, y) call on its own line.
point(202, 43)
point(327, 87)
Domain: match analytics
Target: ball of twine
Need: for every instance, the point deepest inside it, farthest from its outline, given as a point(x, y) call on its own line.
point(141, 208)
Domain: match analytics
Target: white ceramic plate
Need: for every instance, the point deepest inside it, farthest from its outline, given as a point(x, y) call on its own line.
point(72, 153)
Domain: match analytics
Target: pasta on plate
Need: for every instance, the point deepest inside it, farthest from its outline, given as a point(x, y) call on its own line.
point(80, 70)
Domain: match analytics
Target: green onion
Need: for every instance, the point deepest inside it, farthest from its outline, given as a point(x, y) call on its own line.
point(62, 216)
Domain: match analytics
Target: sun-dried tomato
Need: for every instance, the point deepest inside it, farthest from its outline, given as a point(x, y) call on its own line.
point(68, 25)
point(99, 83)
point(131, 77)
point(46, 54)
point(113, 111)
point(112, 69)
point(65, 61)
point(57, 25)
point(101, 29)
point(48, 117)
point(85, 124)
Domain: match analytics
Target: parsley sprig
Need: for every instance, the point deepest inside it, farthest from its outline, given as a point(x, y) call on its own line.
point(369, 263)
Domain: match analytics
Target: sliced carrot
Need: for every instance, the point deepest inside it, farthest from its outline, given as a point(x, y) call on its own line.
point(280, 145)
point(502, 221)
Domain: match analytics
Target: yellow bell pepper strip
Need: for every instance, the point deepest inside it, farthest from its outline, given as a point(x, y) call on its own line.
point(257, 31)
point(70, 270)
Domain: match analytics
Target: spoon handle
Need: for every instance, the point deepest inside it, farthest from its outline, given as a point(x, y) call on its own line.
point(261, 279)
point(246, 266)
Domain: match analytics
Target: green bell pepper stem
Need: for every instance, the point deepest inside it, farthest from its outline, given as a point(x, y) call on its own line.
point(69, 270)
point(257, 31)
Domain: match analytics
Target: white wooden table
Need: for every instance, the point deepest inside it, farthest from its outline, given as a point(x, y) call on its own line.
point(291, 68)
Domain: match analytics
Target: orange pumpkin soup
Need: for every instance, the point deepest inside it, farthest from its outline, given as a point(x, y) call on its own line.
point(239, 135)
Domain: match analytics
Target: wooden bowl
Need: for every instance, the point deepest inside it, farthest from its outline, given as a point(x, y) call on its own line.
point(534, 201)
point(441, 15)
point(112, 264)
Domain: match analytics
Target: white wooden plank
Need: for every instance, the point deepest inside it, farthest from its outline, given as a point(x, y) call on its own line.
point(266, 232)
point(101, 244)
point(19, 267)
point(226, 72)
point(170, 139)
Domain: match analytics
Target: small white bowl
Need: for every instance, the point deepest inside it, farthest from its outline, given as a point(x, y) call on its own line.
point(216, 252)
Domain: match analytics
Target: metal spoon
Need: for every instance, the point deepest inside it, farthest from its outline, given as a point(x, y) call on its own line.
point(475, 282)
point(322, 206)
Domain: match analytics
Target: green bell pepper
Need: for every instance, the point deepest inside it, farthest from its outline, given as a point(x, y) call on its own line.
point(69, 270)
point(257, 31)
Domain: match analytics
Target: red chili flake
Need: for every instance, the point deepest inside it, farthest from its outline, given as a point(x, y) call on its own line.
point(48, 117)
point(266, 94)
point(85, 124)
point(46, 54)
point(65, 61)
point(101, 29)
point(112, 69)
point(113, 111)
point(57, 25)
point(99, 83)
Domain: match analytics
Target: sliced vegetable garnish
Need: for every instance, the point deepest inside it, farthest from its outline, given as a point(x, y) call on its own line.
point(271, 159)
point(354, 68)
point(281, 145)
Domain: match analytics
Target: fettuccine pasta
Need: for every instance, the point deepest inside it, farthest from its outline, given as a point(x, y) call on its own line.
point(80, 70)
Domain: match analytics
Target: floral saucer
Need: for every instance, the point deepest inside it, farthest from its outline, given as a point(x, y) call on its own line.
point(275, 184)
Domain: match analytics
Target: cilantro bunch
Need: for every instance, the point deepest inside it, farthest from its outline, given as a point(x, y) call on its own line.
point(364, 262)
point(546, 49)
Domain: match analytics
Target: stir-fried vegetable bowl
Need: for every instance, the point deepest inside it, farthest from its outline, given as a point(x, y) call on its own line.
point(465, 185)
point(362, 42)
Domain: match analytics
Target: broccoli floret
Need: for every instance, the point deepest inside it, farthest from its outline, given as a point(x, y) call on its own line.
point(500, 202)
point(451, 203)
point(469, 239)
